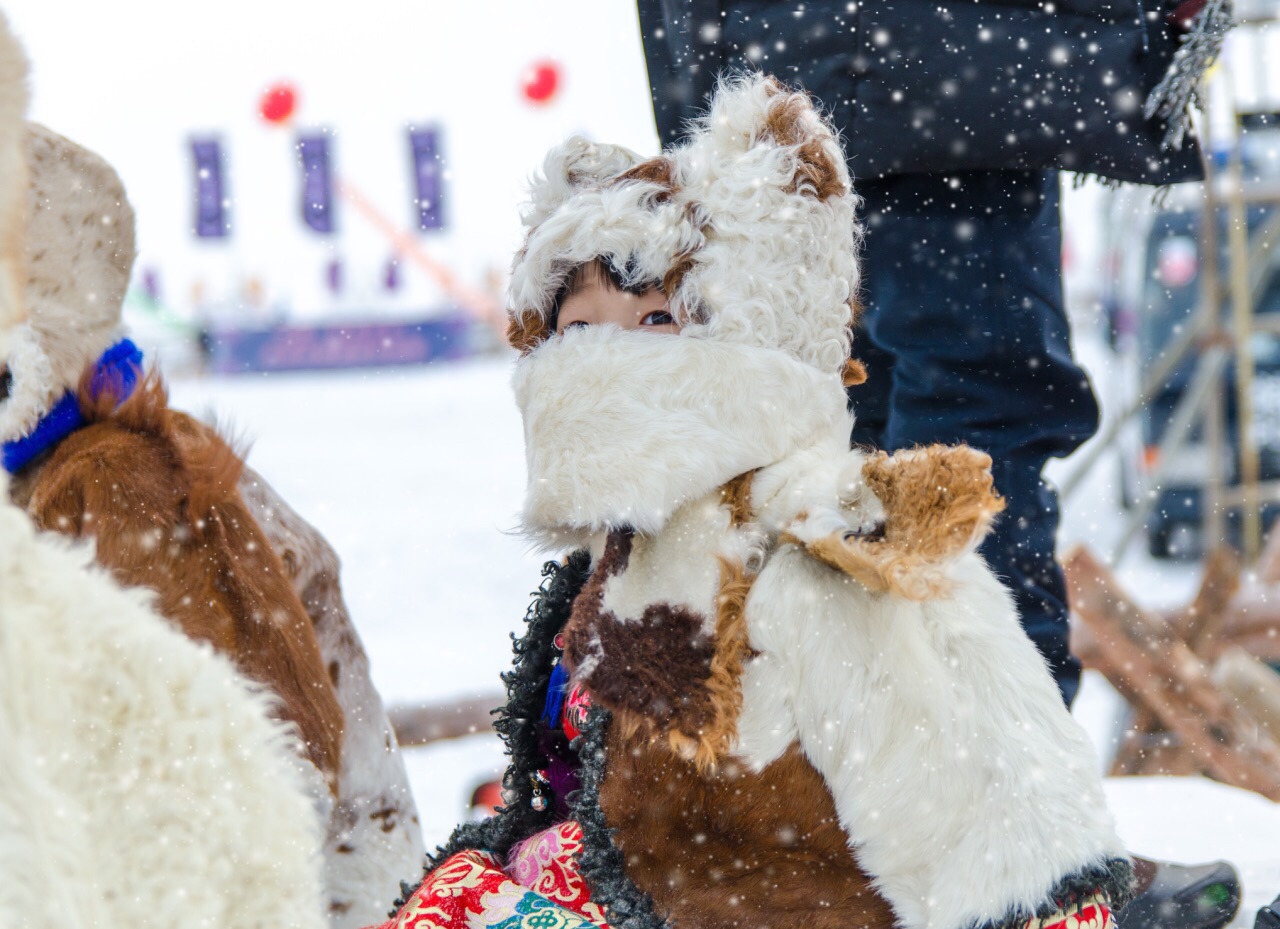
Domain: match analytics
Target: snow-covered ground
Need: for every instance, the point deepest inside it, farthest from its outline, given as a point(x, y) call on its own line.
point(416, 477)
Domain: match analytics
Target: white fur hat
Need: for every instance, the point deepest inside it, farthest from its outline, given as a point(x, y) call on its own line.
point(78, 245)
point(748, 224)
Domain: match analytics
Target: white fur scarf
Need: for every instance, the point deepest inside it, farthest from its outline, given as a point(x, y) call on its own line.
point(623, 428)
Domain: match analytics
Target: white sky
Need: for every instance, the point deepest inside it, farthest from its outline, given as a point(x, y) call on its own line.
point(131, 79)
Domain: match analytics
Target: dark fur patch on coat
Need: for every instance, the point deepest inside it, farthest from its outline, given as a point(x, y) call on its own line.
point(527, 330)
point(652, 671)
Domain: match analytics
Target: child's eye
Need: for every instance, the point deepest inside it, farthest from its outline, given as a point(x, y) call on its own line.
point(658, 318)
point(576, 324)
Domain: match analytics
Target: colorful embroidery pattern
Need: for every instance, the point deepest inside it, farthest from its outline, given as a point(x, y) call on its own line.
point(547, 863)
point(1092, 913)
point(575, 711)
point(544, 889)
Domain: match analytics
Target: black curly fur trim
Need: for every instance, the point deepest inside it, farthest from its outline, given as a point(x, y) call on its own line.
point(1114, 878)
point(625, 904)
point(516, 723)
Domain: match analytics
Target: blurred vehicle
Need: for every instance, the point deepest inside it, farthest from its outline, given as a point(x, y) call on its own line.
point(1156, 265)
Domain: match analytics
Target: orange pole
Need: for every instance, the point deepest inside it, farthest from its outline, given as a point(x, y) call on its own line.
point(475, 301)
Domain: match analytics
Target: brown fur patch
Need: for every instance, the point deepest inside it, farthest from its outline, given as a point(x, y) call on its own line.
point(724, 683)
point(650, 671)
point(660, 675)
point(675, 274)
point(157, 492)
point(527, 330)
point(938, 502)
point(855, 314)
point(733, 848)
point(854, 373)
point(817, 175)
point(736, 495)
point(658, 171)
point(732, 647)
point(644, 692)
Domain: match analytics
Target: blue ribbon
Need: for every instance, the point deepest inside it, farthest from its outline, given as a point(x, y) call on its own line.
point(117, 369)
point(555, 695)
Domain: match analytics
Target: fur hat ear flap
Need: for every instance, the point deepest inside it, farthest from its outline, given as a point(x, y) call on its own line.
point(753, 110)
point(780, 265)
point(569, 167)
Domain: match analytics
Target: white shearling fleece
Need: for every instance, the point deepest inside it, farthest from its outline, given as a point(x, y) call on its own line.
point(779, 266)
point(141, 781)
point(625, 223)
point(34, 388)
point(677, 567)
point(966, 788)
point(624, 427)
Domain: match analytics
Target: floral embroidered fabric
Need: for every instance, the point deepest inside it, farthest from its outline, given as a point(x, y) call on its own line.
point(541, 887)
point(1092, 913)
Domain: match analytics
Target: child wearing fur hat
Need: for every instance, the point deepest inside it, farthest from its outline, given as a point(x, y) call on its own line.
point(774, 684)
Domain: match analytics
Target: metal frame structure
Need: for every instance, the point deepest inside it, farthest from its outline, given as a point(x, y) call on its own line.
point(1211, 335)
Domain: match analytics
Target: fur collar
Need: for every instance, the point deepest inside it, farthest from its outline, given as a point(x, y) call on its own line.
point(622, 428)
point(39, 427)
point(33, 388)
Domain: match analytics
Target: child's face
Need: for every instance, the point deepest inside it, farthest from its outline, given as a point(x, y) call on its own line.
point(595, 302)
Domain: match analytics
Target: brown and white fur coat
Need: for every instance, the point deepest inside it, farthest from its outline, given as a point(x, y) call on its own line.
point(765, 601)
point(172, 508)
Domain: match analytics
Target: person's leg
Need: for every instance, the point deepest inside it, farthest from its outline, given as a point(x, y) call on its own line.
point(963, 290)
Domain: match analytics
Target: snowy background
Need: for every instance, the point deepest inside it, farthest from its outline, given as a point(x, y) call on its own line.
point(415, 475)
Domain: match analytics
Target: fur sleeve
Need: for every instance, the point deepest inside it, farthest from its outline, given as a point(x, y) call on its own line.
point(939, 504)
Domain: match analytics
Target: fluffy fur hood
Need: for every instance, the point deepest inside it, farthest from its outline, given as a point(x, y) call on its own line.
point(624, 428)
point(748, 225)
point(73, 292)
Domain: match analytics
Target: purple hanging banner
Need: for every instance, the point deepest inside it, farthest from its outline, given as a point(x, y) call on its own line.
point(317, 182)
point(212, 221)
point(429, 175)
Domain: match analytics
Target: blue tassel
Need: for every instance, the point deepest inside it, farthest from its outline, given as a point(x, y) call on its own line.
point(555, 695)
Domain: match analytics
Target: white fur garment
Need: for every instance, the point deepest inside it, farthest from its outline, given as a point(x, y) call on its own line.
point(967, 790)
point(621, 428)
point(964, 784)
point(142, 782)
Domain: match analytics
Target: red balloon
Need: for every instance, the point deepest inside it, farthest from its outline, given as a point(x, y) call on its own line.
point(278, 103)
point(540, 81)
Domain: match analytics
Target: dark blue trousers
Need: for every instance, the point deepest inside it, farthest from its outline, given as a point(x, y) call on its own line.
point(965, 339)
